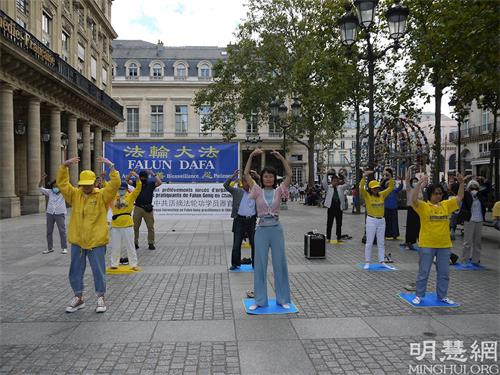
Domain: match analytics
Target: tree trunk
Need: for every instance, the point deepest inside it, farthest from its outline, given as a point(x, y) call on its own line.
point(310, 160)
point(438, 94)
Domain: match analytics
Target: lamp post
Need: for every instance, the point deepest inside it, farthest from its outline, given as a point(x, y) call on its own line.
point(348, 23)
point(279, 114)
point(460, 111)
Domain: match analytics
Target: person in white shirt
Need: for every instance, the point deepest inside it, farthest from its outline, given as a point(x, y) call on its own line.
point(55, 213)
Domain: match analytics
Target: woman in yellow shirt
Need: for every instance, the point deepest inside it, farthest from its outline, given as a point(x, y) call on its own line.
point(375, 221)
point(434, 238)
point(122, 225)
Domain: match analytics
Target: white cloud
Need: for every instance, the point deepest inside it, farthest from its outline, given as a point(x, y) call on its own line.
point(178, 22)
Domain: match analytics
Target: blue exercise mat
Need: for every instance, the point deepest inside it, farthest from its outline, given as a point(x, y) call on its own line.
point(415, 248)
point(468, 267)
point(430, 300)
point(375, 267)
point(243, 268)
point(272, 308)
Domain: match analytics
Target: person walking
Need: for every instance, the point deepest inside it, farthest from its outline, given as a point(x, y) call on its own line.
point(473, 212)
point(122, 225)
point(244, 219)
point(144, 207)
point(269, 232)
point(375, 221)
point(88, 228)
point(434, 237)
point(55, 214)
point(335, 203)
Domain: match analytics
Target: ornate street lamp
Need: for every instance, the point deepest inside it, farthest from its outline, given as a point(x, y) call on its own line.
point(279, 114)
point(20, 127)
point(396, 18)
point(45, 135)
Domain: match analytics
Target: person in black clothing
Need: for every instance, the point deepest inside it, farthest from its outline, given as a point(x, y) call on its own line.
point(144, 207)
point(335, 202)
point(412, 218)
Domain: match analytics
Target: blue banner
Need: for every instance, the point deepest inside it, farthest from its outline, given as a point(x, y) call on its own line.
point(176, 162)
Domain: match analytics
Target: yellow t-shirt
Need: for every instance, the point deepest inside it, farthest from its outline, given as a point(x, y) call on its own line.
point(496, 210)
point(434, 223)
point(375, 205)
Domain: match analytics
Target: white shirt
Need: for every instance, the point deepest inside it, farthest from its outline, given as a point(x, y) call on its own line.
point(247, 205)
point(56, 204)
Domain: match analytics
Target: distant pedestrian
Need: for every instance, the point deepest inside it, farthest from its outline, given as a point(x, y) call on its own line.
point(55, 213)
point(144, 207)
point(122, 225)
point(335, 203)
point(244, 219)
point(88, 228)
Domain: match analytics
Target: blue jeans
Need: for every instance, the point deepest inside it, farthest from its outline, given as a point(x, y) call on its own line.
point(97, 260)
point(274, 238)
point(442, 268)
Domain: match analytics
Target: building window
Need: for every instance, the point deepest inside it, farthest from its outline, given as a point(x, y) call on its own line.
point(181, 119)
point(133, 70)
point(485, 118)
point(297, 175)
point(157, 71)
point(93, 28)
point(157, 121)
point(22, 6)
point(132, 122)
point(21, 23)
point(180, 71)
point(466, 128)
point(353, 144)
point(274, 129)
point(104, 78)
point(204, 71)
point(65, 45)
point(296, 157)
point(81, 16)
point(81, 58)
point(204, 113)
point(93, 68)
point(342, 145)
point(252, 124)
point(46, 29)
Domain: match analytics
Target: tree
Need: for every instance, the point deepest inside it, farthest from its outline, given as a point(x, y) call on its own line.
point(284, 48)
point(433, 46)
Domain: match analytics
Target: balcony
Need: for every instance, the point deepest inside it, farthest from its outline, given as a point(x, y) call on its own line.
point(479, 132)
point(16, 35)
point(132, 134)
point(484, 154)
point(180, 133)
point(273, 134)
point(156, 134)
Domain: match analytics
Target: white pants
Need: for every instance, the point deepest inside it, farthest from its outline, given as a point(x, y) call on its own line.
point(375, 227)
point(472, 241)
point(123, 237)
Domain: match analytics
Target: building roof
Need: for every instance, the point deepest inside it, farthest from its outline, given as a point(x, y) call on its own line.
point(128, 49)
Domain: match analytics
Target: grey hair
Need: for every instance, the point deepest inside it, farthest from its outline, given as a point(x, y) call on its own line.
point(472, 183)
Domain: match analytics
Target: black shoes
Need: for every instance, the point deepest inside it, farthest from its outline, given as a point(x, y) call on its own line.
point(151, 247)
point(232, 268)
point(136, 246)
point(124, 261)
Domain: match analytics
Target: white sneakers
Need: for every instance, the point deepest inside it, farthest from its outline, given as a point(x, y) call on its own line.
point(383, 264)
point(75, 304)
point(367, 266)
point(101, 305)
point(64, 251)
point(448, 301)
point(416, 300)
point(285, 306)
point(48, 251)
point(252, 307)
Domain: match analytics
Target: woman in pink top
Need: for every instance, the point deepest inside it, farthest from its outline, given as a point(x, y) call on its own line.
point(269, 232)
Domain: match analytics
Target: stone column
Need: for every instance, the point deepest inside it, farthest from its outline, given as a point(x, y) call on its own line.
point(97, 149)
point(34, 202)
point(86, 145)
point(55, 142)
point(72, 147)
point(9, 203)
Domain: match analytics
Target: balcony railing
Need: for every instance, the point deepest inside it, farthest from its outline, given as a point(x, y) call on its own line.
point(475, 131)
point(484, 154)
point(181, 133)
point(132, 134)
point(20, 37)
point(273, 134)
point(157, 134)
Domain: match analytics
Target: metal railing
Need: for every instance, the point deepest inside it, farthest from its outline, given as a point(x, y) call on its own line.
point(54, 62)
point(475, 131)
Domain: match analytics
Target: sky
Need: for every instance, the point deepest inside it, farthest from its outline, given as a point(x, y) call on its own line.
point(189, 23)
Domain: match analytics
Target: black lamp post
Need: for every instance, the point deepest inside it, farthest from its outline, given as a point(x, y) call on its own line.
point(279, 114)
point(348, 23)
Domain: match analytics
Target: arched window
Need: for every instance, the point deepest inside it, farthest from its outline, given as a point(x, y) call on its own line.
point(204, 71)
point(133, 71)
point(157, 70)
point(452, 162)
point(181, 71)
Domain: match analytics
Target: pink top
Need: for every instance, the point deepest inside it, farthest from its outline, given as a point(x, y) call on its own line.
point(260, 201)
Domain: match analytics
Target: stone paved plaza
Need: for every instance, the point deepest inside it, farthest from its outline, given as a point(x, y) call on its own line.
point(183, 314)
